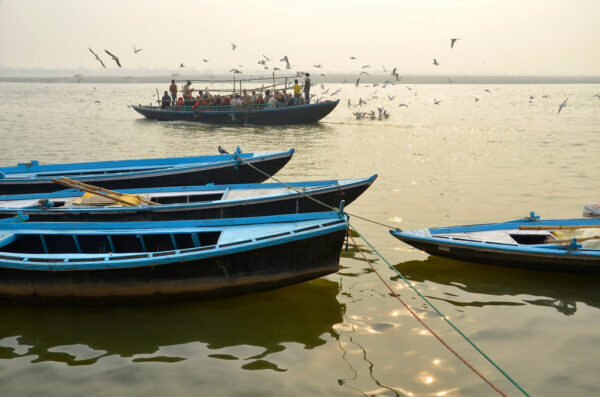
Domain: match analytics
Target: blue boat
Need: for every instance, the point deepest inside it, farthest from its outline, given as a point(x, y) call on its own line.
point(297, 114)
point(128, 262)
point(564, 244)
point(185, 202)
point(33, 177)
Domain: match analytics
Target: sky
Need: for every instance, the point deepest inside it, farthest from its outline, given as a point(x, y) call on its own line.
point(509, 37)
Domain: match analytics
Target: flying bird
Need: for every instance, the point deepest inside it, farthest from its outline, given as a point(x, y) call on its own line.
point(136, 50)
point(352, 57)
point(325, 92)
point(391, 98)
point(181, 65)
point(403, 104)
point(317, 66)
point(476, 99)
point(322, 86)
point(97, 58)
point(363, 72)
point(435, 62)
point(450, 80)
point(562, 105)
point(452, 41)
point(114, 57)
point(233, 46)
point(366, 66)
point(276, 69)
point(222, 151)
point(235, 71)
point(266, 58)
point(79, 77)
point(287, 62)
point(435, 101)
point(597, 96)
point(204, 60)
point(336, 92)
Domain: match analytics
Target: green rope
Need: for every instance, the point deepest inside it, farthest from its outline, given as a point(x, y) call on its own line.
point(441, 314)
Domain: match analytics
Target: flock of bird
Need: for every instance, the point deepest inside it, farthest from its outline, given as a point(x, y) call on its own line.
point(288, 66)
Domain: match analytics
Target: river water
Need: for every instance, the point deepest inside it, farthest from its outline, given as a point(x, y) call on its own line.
point(461, 161)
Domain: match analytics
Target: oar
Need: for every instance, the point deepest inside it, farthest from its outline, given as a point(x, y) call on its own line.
point(527, 227)
point(98, 191)
point(578, 240)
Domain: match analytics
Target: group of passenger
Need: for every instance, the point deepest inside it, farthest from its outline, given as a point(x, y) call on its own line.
point(243, 100)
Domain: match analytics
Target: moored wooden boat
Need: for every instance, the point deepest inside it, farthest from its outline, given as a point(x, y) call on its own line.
point(565, 245)
point(154, 261)
point(125, 174)
point(187, 202)
point(297, 114)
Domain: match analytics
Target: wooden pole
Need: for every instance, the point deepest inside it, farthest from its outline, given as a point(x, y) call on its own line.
point(577, 240)
point(527, 227)
point(273, 82)
point(99, 191)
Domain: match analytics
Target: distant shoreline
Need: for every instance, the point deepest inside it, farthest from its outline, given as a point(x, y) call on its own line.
point(330, 78)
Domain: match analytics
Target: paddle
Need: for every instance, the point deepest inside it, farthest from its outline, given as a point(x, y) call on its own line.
point(101, 191)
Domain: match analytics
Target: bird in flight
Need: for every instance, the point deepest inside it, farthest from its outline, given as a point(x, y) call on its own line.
point(204, 60)
point(181, 65)
point(452, 41)
point(235, 71)
point(136, 50)
point(597, 96)
point(276, 69)
point(352, 57)
point(391, 98)
point(287, 61)
point(450, 80)
point(97, 58)
point(336, 92)
point(222, 151)
point(403, 104)
point(476, 99)
point(562, 105)
point(266, 58)
point(363, 72)
point(233, 46)
point(435, 101)
point(114, 57)
point(435, 62)
point(366, 66)
point(317, 66)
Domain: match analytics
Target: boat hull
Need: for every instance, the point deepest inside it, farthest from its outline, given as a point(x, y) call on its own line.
point(299, 114)
point(284, 204)
point(227, 173)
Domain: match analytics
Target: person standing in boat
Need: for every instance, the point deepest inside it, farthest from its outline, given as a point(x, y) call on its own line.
point(297, 90)
point(166, 101)
point(187, 93)
point(307, 88)
point(173, 89)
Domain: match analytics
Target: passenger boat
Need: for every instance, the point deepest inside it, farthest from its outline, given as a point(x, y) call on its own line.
point(178, 171)
point(297, 114)
point(185, 202)
point(155, 261)
point(565, 245)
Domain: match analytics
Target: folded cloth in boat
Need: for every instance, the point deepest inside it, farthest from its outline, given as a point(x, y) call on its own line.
point(579, 234)
point(94, 199)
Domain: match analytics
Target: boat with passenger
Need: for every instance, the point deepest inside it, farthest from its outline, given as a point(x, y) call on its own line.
point(127, 262)
point(563, 244)
point(272, 105)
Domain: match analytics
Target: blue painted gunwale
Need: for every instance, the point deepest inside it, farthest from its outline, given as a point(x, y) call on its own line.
point(23, 172)
point(321, 186)
point(539, 250)
point(268, 229)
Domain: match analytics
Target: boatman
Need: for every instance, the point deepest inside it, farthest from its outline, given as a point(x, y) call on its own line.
point(166, 101)
point(296, 92)
point(173, 89)
point(307, 88)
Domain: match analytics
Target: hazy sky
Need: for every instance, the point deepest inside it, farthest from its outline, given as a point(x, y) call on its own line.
point(497, 37)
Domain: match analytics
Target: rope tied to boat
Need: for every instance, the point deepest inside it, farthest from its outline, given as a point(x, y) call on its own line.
point(308, 196)
point(465, 337)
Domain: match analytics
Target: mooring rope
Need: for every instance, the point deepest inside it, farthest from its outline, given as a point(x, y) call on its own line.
point(411, 286)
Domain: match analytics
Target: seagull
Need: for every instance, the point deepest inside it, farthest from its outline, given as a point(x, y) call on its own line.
point(476, 99)
point(346, 81)
point(235, 71)
point(450, 80)
point(452, 41)
point(97, 58)
point(486, 90)
point(266, 57)
point(114, 57)
point(222, 151)
point(136, 50)
point(435, 62)
point(317, 66)
point(286, 60)
point(384, 69)
point(204, 60)
point(403, 104)
point(391, 98)
point(79, 77)
point(352, 57)
point(363, 72)
point(181, 65)
point(336, 92)
point(233, 46)
point(276, 69)
point(325, 92)
point(322, 86)
point(435, 101)
point(597, 96)
point(562, 105)
point(366, 66)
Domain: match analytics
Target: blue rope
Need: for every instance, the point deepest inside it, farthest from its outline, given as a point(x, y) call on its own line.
point(441, 314)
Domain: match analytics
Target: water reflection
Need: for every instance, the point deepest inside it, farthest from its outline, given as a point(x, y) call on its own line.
point(561, 291)
point(82, 335)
